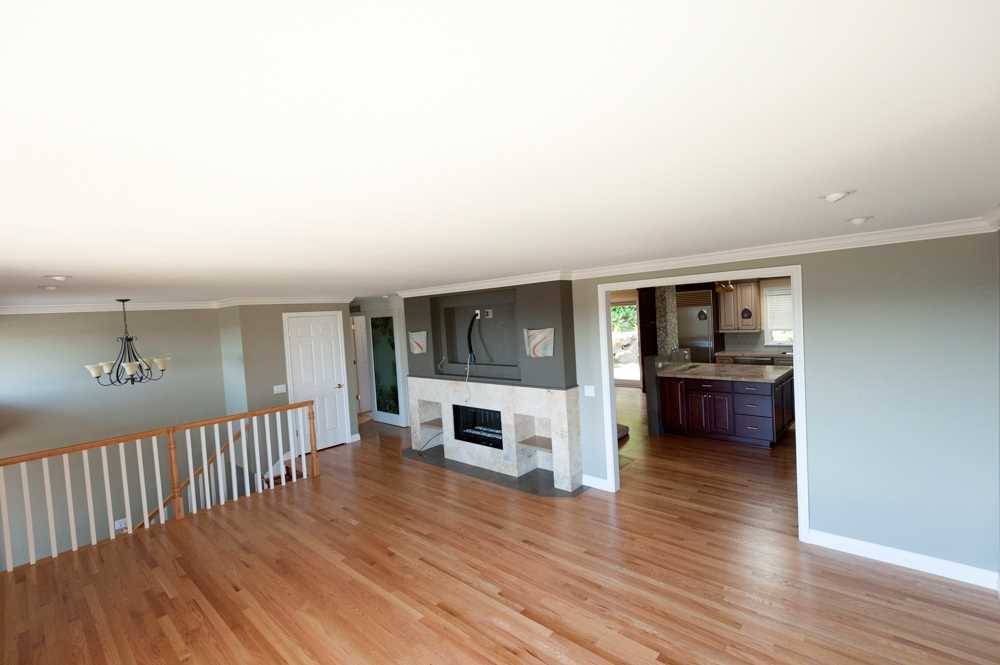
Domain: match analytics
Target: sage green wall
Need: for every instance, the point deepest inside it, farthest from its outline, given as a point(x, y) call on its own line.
point(233, 368)
point(264, 353)
point(47, 398)
point(902, 392)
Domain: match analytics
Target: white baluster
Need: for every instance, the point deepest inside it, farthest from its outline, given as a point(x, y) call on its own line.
point(191, 484)
point(291, 443)
point(303, 441)
point(29, 525)
point(246, 466)
point(8, 558)
point(142, 483)
point(267, 439)
point(107, 490)
point(281, 445)
point(207, 499)
point(53, 549)
point(232, 459)
point(90, 497)
point(256, 448)
point(160, 508)
point(70, 508)
point(125, 494)
point(220, 468)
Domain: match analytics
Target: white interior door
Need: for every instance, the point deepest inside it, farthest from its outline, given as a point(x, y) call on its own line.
point(363, 367)
point(316, 365)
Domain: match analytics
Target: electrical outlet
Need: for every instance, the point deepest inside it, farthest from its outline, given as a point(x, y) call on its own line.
point(121, 525)
point(487, 313)
point(588, 391)
point(280, 389)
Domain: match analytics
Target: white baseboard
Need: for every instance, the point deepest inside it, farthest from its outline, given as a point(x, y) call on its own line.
point(925, 564)
point(597, 483)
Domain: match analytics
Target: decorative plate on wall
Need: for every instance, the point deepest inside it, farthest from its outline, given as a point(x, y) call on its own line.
point(418, 342)
point(539, 343)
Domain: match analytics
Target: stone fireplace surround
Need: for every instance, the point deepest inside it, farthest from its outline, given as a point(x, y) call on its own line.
point(541, 427)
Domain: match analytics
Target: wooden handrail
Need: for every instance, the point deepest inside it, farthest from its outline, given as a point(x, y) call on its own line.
point(248, 414)
point(162, 431)
point(79, 447)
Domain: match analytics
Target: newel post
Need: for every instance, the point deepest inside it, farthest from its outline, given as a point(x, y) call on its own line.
point(314, 462)
point(174, 476)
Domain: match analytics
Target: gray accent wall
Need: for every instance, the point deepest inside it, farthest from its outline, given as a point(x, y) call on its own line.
point(539, 305)
point(903, 386)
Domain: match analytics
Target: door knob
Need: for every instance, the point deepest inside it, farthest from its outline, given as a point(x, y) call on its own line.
point(340, 385)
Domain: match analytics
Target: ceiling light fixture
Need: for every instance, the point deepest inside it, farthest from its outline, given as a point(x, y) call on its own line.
point(57, 278)
point(858, 221)
point(833, 197)
point(47, 287)
point(130, 367)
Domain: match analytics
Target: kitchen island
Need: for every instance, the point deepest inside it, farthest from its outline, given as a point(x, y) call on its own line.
point(751, 404)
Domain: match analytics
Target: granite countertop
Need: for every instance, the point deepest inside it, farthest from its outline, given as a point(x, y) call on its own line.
point(751, 373)
point(752, 354)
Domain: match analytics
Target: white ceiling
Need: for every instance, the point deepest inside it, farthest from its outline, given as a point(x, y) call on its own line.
point(225, 149)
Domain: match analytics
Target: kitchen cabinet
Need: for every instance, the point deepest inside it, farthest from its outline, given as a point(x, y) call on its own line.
point(739, 310)
point(720, 413)
point(746, 411)
point(697, 413)
point(748, 304)
point(673, 405)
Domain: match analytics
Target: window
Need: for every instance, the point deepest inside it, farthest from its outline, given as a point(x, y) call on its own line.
point(779, 322)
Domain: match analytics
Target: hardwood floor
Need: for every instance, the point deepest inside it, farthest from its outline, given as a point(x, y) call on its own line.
point(384, 560)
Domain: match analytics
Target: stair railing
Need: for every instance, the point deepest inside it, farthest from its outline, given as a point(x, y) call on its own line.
point(245, 455)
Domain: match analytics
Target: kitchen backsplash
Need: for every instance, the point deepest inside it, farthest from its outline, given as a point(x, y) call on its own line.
point(750, 342)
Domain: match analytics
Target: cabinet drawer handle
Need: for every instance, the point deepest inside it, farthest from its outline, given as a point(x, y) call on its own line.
point(751, 427)
point(706, 385)
point(749, 389)
point(750, 406)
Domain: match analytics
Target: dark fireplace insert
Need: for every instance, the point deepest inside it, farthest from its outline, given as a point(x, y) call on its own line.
point(480, 426)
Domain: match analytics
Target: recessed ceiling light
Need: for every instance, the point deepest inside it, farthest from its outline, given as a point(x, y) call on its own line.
point(858, 221)
point(47, 287)
point(57, 278)
point(833, 197)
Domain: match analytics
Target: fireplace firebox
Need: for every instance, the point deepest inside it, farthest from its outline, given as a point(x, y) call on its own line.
point(480, 426)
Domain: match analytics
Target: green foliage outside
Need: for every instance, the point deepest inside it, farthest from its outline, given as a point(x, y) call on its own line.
point(624, 318)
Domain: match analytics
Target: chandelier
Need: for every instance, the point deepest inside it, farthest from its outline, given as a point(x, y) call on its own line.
point(129, 367)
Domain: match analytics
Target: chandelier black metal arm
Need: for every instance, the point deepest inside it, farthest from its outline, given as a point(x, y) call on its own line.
point(129, 367)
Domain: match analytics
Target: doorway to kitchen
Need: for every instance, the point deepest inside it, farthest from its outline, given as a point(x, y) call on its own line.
point(720, 393)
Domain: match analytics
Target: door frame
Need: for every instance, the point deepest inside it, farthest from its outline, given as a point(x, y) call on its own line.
point(339, 316)
point(401, 419)
point(794, 272)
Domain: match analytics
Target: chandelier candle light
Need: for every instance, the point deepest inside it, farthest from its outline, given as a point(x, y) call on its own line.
point(130, 367)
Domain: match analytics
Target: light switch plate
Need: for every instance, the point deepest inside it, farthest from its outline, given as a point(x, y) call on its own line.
point(588, 391)
point(280, 389)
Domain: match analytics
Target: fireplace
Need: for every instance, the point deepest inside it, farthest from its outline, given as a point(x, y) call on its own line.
point(480, 426)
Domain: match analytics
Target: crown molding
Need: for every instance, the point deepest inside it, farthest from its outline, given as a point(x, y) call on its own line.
point(950, 229)
point(959, 227)
point(138, 306)
point(495, 283)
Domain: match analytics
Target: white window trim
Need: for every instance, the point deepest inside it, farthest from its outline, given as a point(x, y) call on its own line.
point(766, 323)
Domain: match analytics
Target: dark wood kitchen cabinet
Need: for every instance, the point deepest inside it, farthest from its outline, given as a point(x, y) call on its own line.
point(748, 412)
point(673, 405)
point(720, 413)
